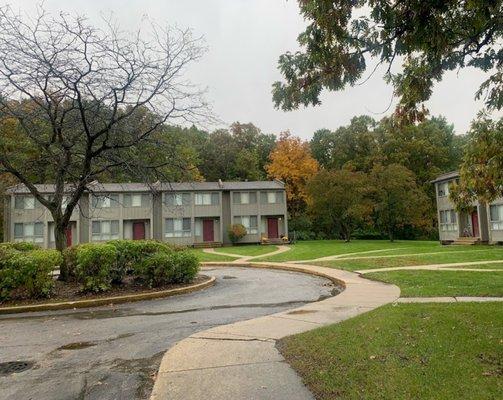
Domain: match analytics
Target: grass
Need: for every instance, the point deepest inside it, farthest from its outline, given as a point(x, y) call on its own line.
point(311, 249)
point(481, 253)
point(405, 351)
point(203, 257)
point(443, 283)
point(251, 250)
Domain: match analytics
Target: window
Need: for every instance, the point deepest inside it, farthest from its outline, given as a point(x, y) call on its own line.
point(496, 212)
point(271, 197)
point(105, 230)
point(448, 221)
point(207, 199)
point(64, 201)
point(105, 201)
point(177, 227)
point(249, 222)
point(136, 200)
point(443, 189)
point(244, 197)
point(29, 232)
point(25, 203)
point(177, 199)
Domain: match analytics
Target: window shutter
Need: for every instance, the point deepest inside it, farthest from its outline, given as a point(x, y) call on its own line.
point(279, 197)
point(96, 227)
point(263, 197)
point(169, 199)
point(18, 230)
point(145, 200)
point(170, 225)
point(253, 197)
point(127, 200)
point(186, 199)
point(186, 224)
point(215, 198)
point(236, 198)
point(253, 221)
point(114, 227)
point(453, 216)
point(19, 203)
point(114, 200)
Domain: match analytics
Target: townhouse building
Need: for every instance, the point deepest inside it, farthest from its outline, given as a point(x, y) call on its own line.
point(191, 213)
point(482, 223)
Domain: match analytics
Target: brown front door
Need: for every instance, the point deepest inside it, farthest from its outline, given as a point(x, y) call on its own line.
point(272, 228)
point(208, 234)
point(475, 223)
point(68, 233)
point(138, 230)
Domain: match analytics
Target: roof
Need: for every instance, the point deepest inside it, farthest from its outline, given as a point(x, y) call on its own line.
point(445, 177)
point(165, 187)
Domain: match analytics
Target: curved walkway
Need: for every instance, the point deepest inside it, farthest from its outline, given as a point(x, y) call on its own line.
point(244, 259)
point(240, 360)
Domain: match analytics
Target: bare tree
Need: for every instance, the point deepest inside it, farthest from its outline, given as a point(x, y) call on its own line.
point(83, 99)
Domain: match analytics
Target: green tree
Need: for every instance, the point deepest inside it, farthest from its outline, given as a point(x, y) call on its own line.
point(353, 146)
point(481, 172)
point(337, 199)
point(429, 37)
point(398, 201)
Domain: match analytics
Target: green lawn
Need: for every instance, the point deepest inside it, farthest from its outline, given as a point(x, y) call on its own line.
point(251, 250)
point(211, 257)
point(478, 253)
point(308, 250)
point(443, 283)
point(405, 351)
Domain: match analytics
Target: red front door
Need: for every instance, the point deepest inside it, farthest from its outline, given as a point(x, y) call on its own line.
point(68, 233)
point(208, 234)
point(272, 228)
point(138, 230)
point(475, 223)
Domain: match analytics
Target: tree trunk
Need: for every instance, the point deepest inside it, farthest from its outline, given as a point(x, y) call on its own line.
point(60, 238)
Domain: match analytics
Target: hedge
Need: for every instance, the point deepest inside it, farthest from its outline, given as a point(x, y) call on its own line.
point(99, 265)
point(27, 274)
point(164, 268)
point(94, 265)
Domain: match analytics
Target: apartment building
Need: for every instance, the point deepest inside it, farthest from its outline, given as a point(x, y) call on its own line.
point(482, 223)
point(192, 213)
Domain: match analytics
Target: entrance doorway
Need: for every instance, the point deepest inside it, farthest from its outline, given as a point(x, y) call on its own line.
point(475, 223)
point(138, 230)
point(208, 232)
point(68, 233)
point(272, 228)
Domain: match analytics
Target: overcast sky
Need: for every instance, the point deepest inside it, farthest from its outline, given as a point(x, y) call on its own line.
point(245, 39)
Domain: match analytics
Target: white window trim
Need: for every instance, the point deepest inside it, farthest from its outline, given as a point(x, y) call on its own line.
point(496, 225)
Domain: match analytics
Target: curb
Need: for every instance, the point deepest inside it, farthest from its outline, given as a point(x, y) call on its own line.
point(107, 300)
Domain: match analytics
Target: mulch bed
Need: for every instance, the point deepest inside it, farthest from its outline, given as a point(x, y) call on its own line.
point(71, 291)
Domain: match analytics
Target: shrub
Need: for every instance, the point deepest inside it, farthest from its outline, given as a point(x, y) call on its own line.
point(20, 246)
point(133, 252)
point(164, 268)
point(27, 274)
point(236, 232)
point(94, 263)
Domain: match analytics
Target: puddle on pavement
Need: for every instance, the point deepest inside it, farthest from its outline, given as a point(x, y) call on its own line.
point(77, 345)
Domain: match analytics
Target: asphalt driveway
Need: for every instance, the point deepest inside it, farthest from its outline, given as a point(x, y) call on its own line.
point(114, 352)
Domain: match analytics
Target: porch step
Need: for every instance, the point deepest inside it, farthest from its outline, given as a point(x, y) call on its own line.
point(207, 245)
point(272, 241)
point(467, 241)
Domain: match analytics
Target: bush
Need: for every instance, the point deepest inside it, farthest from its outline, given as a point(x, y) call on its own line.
point(164, 268)
point(133, 252)
point(94, 266)
point(20, 246)
point(236, 232)
point(27, 274)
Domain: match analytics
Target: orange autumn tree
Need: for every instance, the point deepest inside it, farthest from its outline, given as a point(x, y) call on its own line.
point(291, 162)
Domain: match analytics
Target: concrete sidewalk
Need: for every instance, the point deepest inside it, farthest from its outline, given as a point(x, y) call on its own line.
point(240, 360)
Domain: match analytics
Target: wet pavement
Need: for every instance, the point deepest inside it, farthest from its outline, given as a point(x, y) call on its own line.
point(114, 352)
